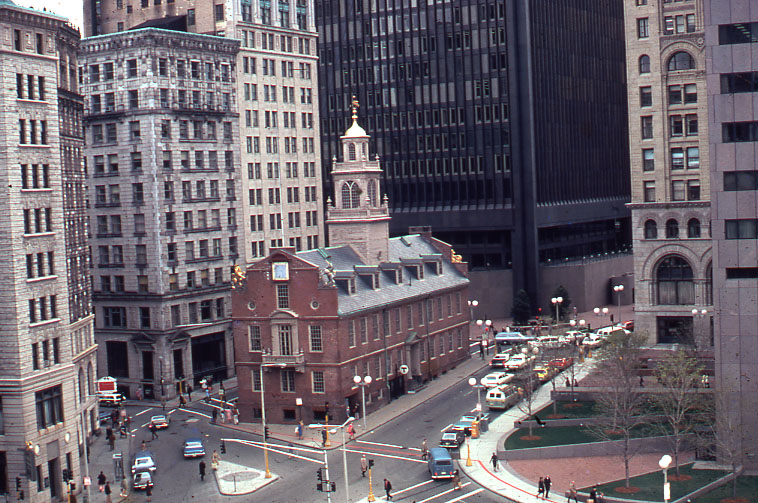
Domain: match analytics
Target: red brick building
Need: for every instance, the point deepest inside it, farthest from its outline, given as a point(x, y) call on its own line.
point(367, 305)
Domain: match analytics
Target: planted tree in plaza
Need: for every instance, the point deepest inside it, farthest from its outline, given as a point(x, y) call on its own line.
point(565, 306)
point(528, 391)
point(722, 437)
point(679, 400)
point(621, 407)
point(522, 308)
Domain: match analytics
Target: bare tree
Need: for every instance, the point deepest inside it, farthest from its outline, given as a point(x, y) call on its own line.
point(528, 392)
point(723, 437)
point(621, 405)
point(679, 401)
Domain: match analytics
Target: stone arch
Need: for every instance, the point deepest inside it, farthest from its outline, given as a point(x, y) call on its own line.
point(674, 281)
point(680, 60)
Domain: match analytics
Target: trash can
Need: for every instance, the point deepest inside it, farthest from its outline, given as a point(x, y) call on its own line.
point(475, 429)
point(484, 425)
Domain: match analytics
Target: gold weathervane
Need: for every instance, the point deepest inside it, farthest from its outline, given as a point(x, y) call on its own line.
point(238, 277)
point(356, 106)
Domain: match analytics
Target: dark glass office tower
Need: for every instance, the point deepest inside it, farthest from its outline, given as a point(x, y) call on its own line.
point(500, 124)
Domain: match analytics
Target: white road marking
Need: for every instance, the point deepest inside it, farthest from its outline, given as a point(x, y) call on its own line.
point(443, 430)
point(414, 487)
point(135, 429)
point(142, 412)
point(171, 411)
point(388, 445)
point(387, 456)
point(192, 420)
point(448, 492)
point(198, 413)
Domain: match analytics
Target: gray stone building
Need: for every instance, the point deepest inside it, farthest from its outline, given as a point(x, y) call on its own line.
point(731, 37)
point(47, 403)
point(164, 182)
point(277, 89)
point(668, 144)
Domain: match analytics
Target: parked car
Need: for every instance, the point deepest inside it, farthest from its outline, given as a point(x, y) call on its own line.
point(160, 421)
point(193, 448)
point(143, 461)
point(546, 341)
point(498, 361)
point(517, 362)
point(496, 379)
point(142, 480)
point(452, 439)
point(544, 374)
point(627, 325)
point(463, 426)
point(561, 363)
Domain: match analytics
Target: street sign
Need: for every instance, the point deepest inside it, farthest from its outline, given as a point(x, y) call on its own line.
point(87, 481)
point(404, 369)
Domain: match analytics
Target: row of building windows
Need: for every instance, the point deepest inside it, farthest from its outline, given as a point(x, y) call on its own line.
point(681, 190)
point(50, 353)
point(746, 228)
point(739, 33)
point(40, 265)
point(210, 70)
point(672, 229)
point(196, 312)
point(255, 196)
point(35, 176)
point(740, 180)
point(271, 42)
point(38, 220)
point(291, 170)
point(30, 87)
point(32, 132)
point(43, 309)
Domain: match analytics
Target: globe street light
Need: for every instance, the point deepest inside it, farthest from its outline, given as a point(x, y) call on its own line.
point(471, 305)
point(363, 383)
point(557, 301)
point(472, 382)
point(664, 463)
point(619, 289)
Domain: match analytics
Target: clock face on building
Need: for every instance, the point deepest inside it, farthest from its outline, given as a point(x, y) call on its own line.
point(280, 271)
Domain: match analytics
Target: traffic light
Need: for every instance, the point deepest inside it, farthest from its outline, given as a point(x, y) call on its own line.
point(65, 475)
point(223, 447)
point(29, 464)
point(265, 433)
point(370, 463)
point(320, 479)
point(18, 483)
point(333, 486)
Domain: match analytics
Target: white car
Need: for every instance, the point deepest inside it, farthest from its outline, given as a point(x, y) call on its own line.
point(496, 379)
point(517, 362)
point(143, 461)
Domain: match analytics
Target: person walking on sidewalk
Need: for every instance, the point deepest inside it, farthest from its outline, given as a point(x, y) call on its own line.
point(112, 441)
point(424, 450)
point(387, 489)
point(202, 470)
point(593, 495)
point(124, 487)
point(541, 488)
point(299, 430)
point(149, 493)
point(572, 492)
point(548, 483)
point(481, 348)
point(101, 480)
point(351, 431)
point(107, 491)
point(494, 460)
point(364, 465)
point(189, 392)
point(214, 460)
point(323, 437)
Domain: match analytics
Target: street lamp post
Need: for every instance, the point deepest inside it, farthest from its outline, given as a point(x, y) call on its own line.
point(365, 381)
point(664, 463)
point(698, 314)
point(619, 289)
point(557, 301)
point(344, 458)
point(263, 416)
point(472, 382)
point(600, 312)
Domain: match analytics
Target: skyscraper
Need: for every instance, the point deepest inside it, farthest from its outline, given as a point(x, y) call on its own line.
point(731, 40)
point(668, 138)
point(48, 363)
point(499, 124)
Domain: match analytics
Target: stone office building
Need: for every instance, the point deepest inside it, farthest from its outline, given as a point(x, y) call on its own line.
point(164, 183)
point(48, 364)
point(306, 323)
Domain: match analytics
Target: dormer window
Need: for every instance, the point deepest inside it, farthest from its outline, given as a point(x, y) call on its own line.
point(351, 285)
point(420, 269)
point(438, 266)
point(351, 151)
point(399, 276)
point(376, 280)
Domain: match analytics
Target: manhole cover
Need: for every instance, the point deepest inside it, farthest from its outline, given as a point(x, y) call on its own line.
point(240, 476)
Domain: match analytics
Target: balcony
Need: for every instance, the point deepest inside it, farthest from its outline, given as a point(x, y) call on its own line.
point(296, 361)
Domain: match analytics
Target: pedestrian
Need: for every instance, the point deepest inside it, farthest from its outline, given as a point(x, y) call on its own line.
point(124, 487)
point(101, 480)
point(107, 491)
point(189, 392)
point(215, 415)
point(153, 431)
point(494, 460)
point(541, 488)
point(139, 393)
point(642, 382)
point(548, 483)
point(572, 492)
point(202, 470)
point(593, 495)
point(387, 489)
point(122, 430)
point(364, 465)
point(108, 433)
point(299, 430)
point(208, 394)
point(568, 382)
point(323, 437)
point(236, 416)
point(351, 431)
point(149, 493)
point(182, 401)
point(481, 349)
point(214, 460)
point(424, 449)
point(456, 480)
point(163, 403)
point(356, 411)
point(112, 441)
point(143, 447)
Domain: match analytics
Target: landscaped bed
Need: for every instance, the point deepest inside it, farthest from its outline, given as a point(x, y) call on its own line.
point(568, 410)
point(649, 487)
point(567, 435)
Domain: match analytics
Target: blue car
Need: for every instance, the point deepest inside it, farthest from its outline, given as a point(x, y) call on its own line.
point(193, 448)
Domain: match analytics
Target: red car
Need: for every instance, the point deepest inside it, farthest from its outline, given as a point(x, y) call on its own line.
point(627, 325)
point(561, 363)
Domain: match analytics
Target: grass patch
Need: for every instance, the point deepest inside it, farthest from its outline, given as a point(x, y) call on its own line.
point(567, 435)
point(747, 488)
point(650, 485)
point(569, 410)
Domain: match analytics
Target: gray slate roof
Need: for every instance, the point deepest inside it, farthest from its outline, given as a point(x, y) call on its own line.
point(401, 249)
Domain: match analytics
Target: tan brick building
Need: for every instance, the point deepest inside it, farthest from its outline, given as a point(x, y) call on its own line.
point(668, 139)
point(47, 407)
point(306, 323)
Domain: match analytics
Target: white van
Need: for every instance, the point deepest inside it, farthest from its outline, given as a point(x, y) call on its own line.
point(502, 397)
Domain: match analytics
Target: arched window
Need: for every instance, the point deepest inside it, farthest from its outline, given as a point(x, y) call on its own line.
point(672, 229)
point(81, 384)
point(674, 281)
point(351, 195)
point(693, 228)
point(372, 193)
point(681, 61)
point(651, 230)
point(644, 63)
point(351, 151)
